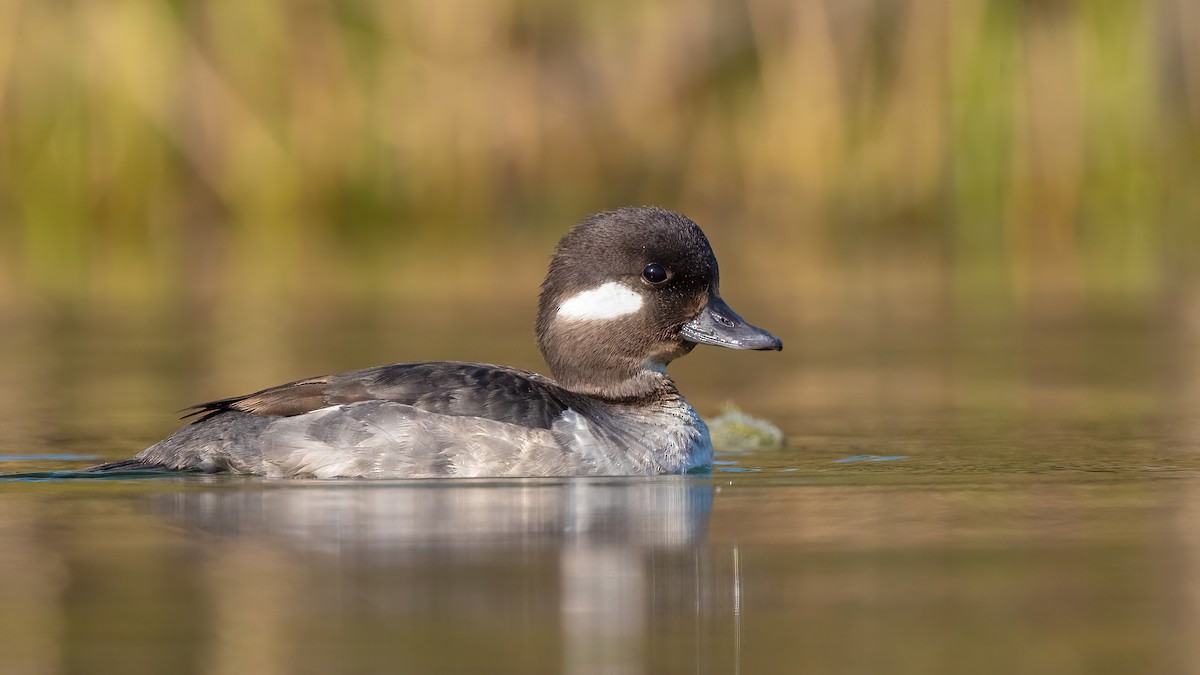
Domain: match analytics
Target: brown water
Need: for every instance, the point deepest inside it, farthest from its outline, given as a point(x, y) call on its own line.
point(954, 497)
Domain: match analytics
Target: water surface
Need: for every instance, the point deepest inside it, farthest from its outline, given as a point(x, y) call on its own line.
point(950, 501)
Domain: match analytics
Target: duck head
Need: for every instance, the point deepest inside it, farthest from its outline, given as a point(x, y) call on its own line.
point(628, 291)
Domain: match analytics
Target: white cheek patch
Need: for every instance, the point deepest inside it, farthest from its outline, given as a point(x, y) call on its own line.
point(607, 301)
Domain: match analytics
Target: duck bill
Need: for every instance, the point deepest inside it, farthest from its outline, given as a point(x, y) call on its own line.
point(719, 325)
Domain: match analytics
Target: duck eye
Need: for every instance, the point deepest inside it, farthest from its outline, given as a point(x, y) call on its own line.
point(654, 273)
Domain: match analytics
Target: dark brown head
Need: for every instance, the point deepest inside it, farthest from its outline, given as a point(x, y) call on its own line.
point(629, 291)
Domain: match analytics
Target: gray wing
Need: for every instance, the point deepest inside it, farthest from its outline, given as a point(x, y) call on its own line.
point(449, 388)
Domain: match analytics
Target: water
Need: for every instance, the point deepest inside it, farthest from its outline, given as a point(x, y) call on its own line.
point(968, 499)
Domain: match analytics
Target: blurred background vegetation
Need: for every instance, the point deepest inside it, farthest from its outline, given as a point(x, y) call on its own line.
point(297, 155)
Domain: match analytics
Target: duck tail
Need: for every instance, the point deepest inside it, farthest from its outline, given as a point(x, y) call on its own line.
point(125, 466)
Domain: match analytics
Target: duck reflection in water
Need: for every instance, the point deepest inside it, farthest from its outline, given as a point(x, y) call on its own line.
point(589, 563)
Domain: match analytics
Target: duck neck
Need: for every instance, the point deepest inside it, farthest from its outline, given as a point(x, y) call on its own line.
point(644, 384)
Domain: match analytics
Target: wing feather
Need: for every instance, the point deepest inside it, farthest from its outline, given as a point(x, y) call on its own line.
point(449, 388)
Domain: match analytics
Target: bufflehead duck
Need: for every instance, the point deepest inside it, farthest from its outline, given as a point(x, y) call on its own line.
point(628, 291)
